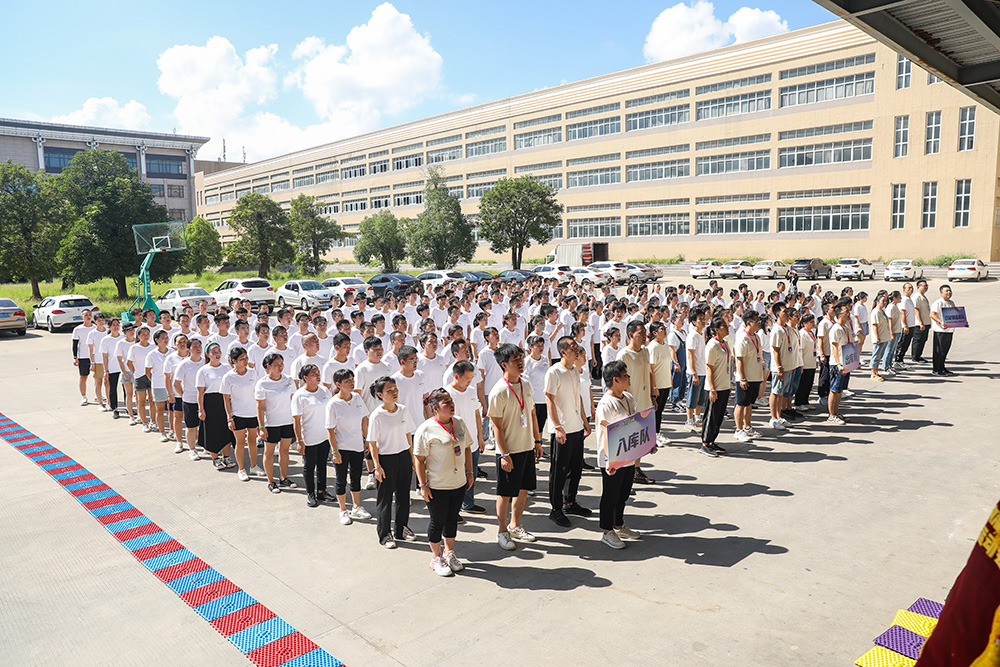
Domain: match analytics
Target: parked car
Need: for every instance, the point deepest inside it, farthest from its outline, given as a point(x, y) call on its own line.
point(616, 269)
point(12, 317)
point(640, 273)
point(174, 301)
point(304, 294)
point(477, 276)
point(344, 286)
point(706, 269)
point(968, 269)
point(56, 312)
point(770, 268)
point(517, 275)
point(854, 267)
point(397, 284)
point(562, 272)
point(902, 269)
point(434, 278)
point(811, 268)
point(736, 268)
point(592, 275)
point(657, 271)
point(254, 290)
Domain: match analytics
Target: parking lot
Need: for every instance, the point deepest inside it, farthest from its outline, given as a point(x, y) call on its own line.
point(795, 551)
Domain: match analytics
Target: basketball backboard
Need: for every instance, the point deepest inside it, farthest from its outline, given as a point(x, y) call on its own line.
point(159, 237)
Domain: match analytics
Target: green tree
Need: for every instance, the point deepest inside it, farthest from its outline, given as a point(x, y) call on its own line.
point(382, 238)
point(262, 234)
point(314, 234)
point(34, 219)
point(440, 236)
point(204, 248)
point(516, 212)
point(107, 198)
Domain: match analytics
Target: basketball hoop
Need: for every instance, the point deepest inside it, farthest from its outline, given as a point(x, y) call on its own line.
point(150, 239)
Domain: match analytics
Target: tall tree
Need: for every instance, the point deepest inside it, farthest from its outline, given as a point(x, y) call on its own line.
point(262, 234)
point(440, 236)
point(34, 219)
point(381, 238)
point(516, 212)
point(204, 248)
point(314, 234)
point(107, 199)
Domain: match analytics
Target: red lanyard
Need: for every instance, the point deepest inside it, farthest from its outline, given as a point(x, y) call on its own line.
point(724, 347)
point(450, 431)
point(457, 449)
point(756, 345)
point(520, 401)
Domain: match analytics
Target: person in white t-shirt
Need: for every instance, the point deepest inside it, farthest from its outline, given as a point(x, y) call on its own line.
point(310, 355)
point(536, 364)
point(390, 441)
point(154, 366)
point(568, 429)
point(411, 382)
point(340, 360)
point(943, 333)
point(696, 368)
point(259, 350)
point(347, 429)
point(273, 394)
point(309, 415)
point(81, 353)
point(175, 406)
point(429, 362)
point(218, 438)
point(137, 365)
point(106, 351)
point(238, 387)
point(185, 385)
point(840, 336)
point(93, 343)
point(465, 397)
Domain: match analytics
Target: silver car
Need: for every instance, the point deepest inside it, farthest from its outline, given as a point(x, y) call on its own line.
point(304, 294)
point(174, 301)
point(12, 317)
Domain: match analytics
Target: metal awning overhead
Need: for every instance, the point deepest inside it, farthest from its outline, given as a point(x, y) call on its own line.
point(958, 40)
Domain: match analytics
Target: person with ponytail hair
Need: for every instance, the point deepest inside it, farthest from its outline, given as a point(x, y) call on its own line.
point(241, 409)
point(212, 407)
point(390, 441)
point(273, 394)
point(718, 356)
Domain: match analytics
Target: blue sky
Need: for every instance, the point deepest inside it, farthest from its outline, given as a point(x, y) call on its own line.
point(276, 77)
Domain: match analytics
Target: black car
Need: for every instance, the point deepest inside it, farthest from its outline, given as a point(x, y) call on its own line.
point(397, 284)
point(517, 275)
point(477, 276)
point(811, 268)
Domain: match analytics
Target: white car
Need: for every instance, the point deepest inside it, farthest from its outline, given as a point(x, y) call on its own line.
point(254, 290)
point(902, 269)
point(770, 268)
point(56, 312)
point(706, 269)
point(968, 269)
point(854, 267)
point(435, 278)
point(599, 278)
point(737, 268)
point(561, 272)
point(174, 301)
point(616, 269)
point(640, 273)
point(304, 294)
point(344, 286)
point(657, 271)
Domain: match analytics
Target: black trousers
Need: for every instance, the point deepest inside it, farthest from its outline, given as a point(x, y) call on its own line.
point(598, 363)
point(565, 468)
point(351, 465)
point(113, 390)
point(714, 414)
point(823, 383)
point(661, 402)
point(919, 340)
point(805, 386)
point(615, 490)
point(443, 508)
point(942, 344)
point(398, 469)
point(315, 467)
point(904, 344)
point(542, 413)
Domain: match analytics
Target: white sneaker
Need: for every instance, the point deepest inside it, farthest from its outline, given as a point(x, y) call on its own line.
point(834, 421)
point(345, 518)
point(776, 425)
point(390, 543)
point(741, 435)
point(194, 456)
point(133, 421)
point(359, 512)
point(490, 445)
point(626, 533)
point(784, 422)
point(243, 476)
point(218, 464)
point(370, 484)
point(83, 401)
point(453, 563)
point(178, 448)
point(521, 535)
point(662, 440)
point(507, 544)
point(440, 567)
point(690, 425)
point(612, 540)
point(847, 393)
point(164, 438)
point(754, 433)
point(408, 534)
point(257, 471)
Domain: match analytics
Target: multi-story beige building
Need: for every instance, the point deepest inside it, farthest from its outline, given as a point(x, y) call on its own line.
point(818, 142)
point(165, 161)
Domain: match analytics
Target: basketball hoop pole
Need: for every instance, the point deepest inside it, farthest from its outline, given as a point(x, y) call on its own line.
point(145, 298)
point(150, 239)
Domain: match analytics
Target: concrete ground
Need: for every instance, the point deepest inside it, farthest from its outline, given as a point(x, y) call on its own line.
point(797, 550)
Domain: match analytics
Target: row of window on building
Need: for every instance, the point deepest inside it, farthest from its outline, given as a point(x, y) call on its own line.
point(932, 132)
point(929, 204)
point(157, 166)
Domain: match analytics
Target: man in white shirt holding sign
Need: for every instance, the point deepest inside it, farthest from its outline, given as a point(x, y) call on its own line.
point(942, 332)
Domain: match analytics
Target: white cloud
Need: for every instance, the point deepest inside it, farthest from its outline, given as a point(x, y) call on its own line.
point(687, 28)
point(385, 66)
point(106, 112)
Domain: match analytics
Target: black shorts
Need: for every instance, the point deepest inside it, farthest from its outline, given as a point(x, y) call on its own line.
point(84, 367)
point(142, 383)
point(176, 406)
point(746, 397)
point(191, 415)
point(520, 478)
point(242, 423)
point(278, 433)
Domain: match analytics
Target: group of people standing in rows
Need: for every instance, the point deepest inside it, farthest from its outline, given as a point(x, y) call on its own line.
point(426, 384)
